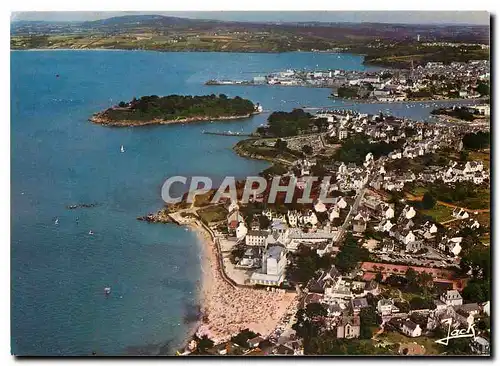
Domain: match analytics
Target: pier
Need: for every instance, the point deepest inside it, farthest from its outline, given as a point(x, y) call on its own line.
point(228, 133)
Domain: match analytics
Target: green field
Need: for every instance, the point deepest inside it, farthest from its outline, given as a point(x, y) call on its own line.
point(439, 213)
point(213, 213)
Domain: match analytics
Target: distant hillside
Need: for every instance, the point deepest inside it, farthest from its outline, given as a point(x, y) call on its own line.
point(391, 45)
point(332, 31)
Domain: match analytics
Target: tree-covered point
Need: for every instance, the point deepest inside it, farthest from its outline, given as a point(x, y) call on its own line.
point(350, 92)
point(294, 123)
point(174, 107)
point(463, 113)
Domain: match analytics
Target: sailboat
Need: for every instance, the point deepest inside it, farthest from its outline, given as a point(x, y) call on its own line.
point(122, 149)
point(56, 222)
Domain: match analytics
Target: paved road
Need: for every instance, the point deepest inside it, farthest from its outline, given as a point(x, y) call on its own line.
point(352, 211)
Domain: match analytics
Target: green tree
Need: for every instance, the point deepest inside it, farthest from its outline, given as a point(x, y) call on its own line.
point(318, 170)
point(483, 89)
point(428, 201)
point(417, 303)
point(368, 319)
point(315, 309)
point(476, 141)
point(264, 222)
point(464, 155)
point(350, 255)
point(306, 149)
point(237, 252)
point(411, 277)
point(425, 281)
point(403, 306)
point(476, 291)
point(477, 262)
point(280, 145)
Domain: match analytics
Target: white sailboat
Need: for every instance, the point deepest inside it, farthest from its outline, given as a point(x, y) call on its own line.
point(57, 221)
point(122, 149)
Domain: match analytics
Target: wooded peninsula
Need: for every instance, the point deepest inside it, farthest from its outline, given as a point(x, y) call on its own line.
point(169, 109)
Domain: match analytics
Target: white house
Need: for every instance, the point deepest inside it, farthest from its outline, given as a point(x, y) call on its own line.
point(342, 169)
point(319, 206)
point(241, 230)
point(411, 329)
point(334, 213)
point(342, 203)
point(384, 307)
point(409, 237)
point(460, 213)
point(388, 212)
point(410, 212)
point(451, 297)
point(387, 226)
point(308, 218)
point(292, 216)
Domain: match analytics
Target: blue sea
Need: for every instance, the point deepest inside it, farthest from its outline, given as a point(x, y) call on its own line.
point(58, 158)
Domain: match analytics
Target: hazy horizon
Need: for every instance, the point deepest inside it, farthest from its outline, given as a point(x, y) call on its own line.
point(401, 17)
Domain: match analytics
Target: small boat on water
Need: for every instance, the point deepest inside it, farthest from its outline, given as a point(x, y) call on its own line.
point(107, 290)
point(56, 222)
point(122, 149)
point(91, 232)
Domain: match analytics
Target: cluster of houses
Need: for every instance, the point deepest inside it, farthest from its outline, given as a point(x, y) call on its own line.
point(448, 308)
point(266, 248)
point(256, 346)
point(343, 298)
point(360, 206)
point(391, 86)
point(425, 139)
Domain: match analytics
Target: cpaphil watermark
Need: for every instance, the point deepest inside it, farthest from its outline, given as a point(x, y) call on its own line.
point(251, 187)
point(470, 332)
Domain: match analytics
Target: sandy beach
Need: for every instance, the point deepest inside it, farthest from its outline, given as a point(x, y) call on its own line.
point(227, 309)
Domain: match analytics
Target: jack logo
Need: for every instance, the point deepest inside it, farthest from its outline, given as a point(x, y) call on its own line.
point(470, 332)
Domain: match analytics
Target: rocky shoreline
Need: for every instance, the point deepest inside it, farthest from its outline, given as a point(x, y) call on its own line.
point(240, 151)
point(161, 216)
point(101, 119)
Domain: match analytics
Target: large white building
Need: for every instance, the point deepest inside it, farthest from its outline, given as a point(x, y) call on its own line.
point(256, 238)
point(272, 272)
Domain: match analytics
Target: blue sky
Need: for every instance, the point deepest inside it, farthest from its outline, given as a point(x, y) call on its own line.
point(408, 17)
